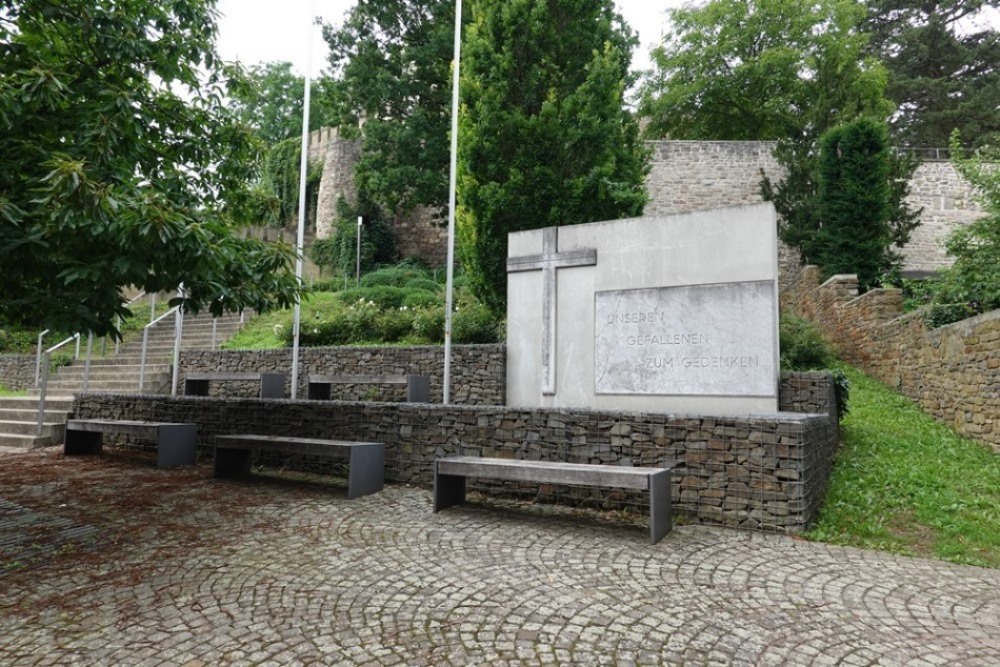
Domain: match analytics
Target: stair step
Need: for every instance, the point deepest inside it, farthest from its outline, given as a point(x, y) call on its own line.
point(50, 429)
point(54, 415)
point(106, 372)
point(53, 401)
point(26, 441)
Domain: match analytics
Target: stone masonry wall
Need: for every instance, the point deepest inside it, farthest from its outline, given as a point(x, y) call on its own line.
point(948, 202)
point(684, 176)
point(952, 372)
point(478, 371)
point(17, 371)
point(764, 472)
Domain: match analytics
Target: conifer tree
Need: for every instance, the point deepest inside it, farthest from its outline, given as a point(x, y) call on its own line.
point(545, 138)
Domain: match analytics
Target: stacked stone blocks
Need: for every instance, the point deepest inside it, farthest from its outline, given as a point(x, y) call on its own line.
point(952, 372)
point(763, 472)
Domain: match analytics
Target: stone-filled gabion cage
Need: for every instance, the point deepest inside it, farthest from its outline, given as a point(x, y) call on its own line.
point(759, 472)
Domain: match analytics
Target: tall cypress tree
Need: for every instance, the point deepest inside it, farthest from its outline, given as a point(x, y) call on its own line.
point(855, 203)
point(545, 138)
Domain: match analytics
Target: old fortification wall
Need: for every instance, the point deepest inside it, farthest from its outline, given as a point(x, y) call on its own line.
point(685, 176)
point(952, 372)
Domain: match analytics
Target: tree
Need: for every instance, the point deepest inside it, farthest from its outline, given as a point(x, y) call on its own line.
point(973, 280)
point(944, 68)
point(544, 137)
point(855, 203)
point(762, 70)
point(390, 64)
point(119, 165)
point(269, 99)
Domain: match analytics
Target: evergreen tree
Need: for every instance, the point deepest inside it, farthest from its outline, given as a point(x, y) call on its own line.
point(944, 62)
point(545, 138)
point(854, 202)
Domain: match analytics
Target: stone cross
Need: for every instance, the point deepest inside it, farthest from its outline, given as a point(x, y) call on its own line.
point(548, 262)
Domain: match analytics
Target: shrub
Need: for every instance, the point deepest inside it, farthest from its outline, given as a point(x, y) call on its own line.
point(425, 284)
point(423, 299)
point(802, 346)
point(428, 325)
point(393, 276)
point(474, 324)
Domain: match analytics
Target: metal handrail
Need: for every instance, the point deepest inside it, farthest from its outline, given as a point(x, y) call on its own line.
point(38, 356)
point(44, 384)
point(145, 340)
point(152, 312)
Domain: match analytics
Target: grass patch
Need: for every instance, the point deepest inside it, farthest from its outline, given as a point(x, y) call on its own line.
point(908, 484)
point(6, 391)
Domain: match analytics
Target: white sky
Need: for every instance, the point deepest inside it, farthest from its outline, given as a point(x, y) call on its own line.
point(253, 31)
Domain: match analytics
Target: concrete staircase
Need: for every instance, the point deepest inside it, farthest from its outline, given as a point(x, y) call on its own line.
point(115, 373)
point(19, 421)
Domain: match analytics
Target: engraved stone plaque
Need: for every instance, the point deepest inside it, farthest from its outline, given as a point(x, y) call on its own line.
point(711, 340)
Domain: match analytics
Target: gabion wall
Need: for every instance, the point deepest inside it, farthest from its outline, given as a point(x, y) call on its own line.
point(761, 472)
point(17, 371)
point(478, 372)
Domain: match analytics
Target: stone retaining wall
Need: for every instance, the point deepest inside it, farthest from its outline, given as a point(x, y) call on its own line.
point(764, 472)
point(17, 371)
point(952, 372)
point(478, 372)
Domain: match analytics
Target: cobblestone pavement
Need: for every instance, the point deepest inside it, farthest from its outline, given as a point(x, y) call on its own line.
point(171, 567)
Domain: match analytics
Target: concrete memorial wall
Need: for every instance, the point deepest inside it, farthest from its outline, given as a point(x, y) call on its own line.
point(661, 313)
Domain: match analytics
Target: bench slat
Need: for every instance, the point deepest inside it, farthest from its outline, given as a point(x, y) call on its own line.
point(125, 426)
point(290, 445)
point(548, 472)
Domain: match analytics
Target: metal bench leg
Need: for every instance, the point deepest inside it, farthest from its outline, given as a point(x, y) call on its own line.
point(232, 462)
point(366, 472)
point(82, 442)
point(448, 490)
point(176, 445)
point(660, 520)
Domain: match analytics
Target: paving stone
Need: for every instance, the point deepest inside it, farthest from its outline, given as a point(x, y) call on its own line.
point(279, 572)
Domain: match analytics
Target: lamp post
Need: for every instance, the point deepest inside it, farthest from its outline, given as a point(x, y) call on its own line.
point(357, 269)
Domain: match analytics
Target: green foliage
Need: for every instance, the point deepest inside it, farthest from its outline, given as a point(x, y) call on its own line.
point(943, 75)
point(545, 137)
point(119, 165)
point(974, 277)
point(802, 346)
point(324, 253)
point(377, 242)
point(282, 171)
point(854, 203)
point(391, 66)
point(395, 276)
point(376, 314)
point(474, 324)
point(269, 99)
point(905, 483)
point(760, 70)
point(842, 203)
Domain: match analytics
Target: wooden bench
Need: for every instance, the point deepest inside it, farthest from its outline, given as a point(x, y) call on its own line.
point(418, 387)
point(450, 475)
point(366, 460)
point(272, 385)
point(176, 444)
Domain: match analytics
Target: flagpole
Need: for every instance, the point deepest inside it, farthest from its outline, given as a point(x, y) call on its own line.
point(451, 204)
point(303, 167)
